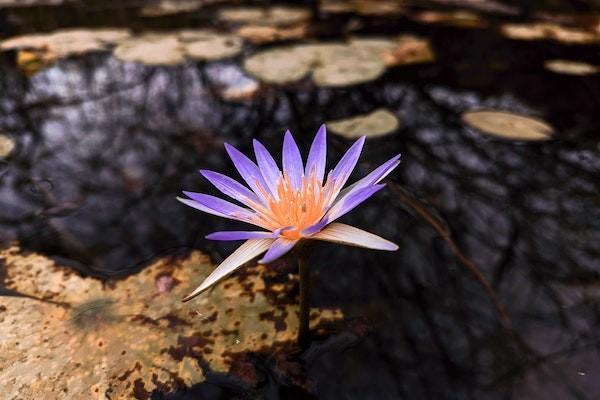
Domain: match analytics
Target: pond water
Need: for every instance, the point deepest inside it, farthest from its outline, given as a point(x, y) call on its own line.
point(103, 147)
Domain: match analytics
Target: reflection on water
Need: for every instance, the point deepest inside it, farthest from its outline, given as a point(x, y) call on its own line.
point(103, 147)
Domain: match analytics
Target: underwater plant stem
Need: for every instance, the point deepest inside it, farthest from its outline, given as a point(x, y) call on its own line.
point(464, 260)
point(304, 275)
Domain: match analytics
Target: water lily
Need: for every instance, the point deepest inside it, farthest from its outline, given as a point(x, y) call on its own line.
point(291, 204)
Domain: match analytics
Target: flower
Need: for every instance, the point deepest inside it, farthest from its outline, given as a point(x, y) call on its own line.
point(290, 205)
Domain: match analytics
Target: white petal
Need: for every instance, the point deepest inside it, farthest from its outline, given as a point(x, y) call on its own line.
point(246, 252)
point(346, 234)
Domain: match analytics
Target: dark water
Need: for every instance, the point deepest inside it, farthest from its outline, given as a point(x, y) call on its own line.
point(103, 148)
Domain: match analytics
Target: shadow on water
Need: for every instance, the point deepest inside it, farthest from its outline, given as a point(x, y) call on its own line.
point(103, 147)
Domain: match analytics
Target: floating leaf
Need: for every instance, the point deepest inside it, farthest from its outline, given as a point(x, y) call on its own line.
point(337, 64)
point(550, 31)
point(30, 62)
point(6, 146)
point(124, 339)
point(508, 125)
point(457, 18)
point(209, 45)
point(69, 42)
point(151, 49)
point(259, 34)
point(571, 67)
point(269, 16)
point(362, 7)
point(171, 7)
point(374, 124)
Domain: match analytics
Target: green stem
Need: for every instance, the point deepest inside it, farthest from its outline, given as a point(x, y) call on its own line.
point(304, 273)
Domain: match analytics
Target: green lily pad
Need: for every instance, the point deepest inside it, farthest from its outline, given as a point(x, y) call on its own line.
point(507, 125)
point(374, 124)
point(123, 339)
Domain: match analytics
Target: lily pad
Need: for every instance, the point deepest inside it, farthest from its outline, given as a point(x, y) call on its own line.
point(269, 16)
point(550, 31)
point(507, 125)
point(374, 124)
point(209, 45)
point(363, 7)
point(64, 335)
point(337, 64)
point(569, 67)
point(151, 49)
point(6, 146)
point(64, 43)
point(457, 18)
point(171, 7)
point(260, 34)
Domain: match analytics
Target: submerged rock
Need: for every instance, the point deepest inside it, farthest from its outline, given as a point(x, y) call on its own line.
point(508, 125)
point(79, 337)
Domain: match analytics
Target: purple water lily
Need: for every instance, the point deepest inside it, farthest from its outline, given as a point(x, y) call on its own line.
point(290, 205)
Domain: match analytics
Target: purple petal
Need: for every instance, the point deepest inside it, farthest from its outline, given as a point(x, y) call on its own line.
point(221, 206)
point(343, 169)
point(240, 235)
point(267, 165)
point(198, 206)
point(277, 249)
point(318, 155)
point(248, 170)
point(374, 177)
point(351, 201)
point(229, 187)
point(311, 230)
point(292, 161)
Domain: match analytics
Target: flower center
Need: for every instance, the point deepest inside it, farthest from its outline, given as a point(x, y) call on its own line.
point(296, 209)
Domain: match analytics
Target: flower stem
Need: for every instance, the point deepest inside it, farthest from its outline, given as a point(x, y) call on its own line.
point(304, 274)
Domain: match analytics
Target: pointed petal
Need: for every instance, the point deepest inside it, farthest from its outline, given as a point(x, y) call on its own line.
point(292, 161)
point(317, 156)
point(220, 206)
point(198, 206)
point(343, 169)
point(349, 235)
point(374, 177)
point(248, 170)
point(311, 230)
point(243, 254)
point(277, 249)
point(241, 235)
point(351, 201)
point(267, 165)
point(230, 187)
